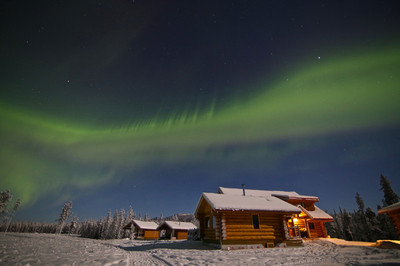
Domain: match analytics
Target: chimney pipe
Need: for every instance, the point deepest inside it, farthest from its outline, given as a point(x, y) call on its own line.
point(244, 191)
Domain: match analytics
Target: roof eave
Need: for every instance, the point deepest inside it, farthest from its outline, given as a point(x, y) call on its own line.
point(257, 210)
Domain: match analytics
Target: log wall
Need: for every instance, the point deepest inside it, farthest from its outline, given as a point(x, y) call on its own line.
point(319, 229)
point(150, 234)
point(395, 216)
point(238, 227)
point(181, 234)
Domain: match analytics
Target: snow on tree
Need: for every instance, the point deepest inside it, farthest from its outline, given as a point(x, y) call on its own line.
point(7, 208)
point(375, 231)
point(114, 226)
point(65, 213)
point(5, 199)
point(11, 215)
point(346, 222)
point(107, 226)
point(121, 224)
point(131, 215)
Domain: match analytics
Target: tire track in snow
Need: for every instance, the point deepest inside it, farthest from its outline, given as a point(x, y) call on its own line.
point(145, 258)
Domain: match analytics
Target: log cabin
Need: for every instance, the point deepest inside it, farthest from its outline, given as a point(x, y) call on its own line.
point(394, 212)
point(143, 229)
point(252, 218)
point(244, 221)
point(175, 230)
point(310, 223)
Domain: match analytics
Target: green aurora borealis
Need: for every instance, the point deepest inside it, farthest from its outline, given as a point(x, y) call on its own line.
point(42, 154)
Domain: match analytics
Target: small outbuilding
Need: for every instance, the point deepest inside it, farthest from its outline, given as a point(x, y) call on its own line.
point(394, 212)
point(175, 230)
point(143, 229)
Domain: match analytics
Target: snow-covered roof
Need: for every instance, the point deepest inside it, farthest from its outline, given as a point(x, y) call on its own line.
point(248, 203)
point(179, 225)
point(317, 214)
point(150, 225)
point(285, 195)
point(390, 208)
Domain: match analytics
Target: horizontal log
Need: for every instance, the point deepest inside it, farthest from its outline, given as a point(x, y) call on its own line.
point(247, 235)
point(251, 217)
point(249, 226)
point(251, 238)
point(249, 230)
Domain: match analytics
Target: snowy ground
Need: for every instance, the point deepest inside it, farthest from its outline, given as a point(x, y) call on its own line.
point(45, 249)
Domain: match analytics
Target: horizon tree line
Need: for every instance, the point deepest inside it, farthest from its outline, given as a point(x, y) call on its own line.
point(362, 224)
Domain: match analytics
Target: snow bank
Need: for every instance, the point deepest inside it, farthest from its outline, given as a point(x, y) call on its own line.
point(48, 249)
point(45, 249)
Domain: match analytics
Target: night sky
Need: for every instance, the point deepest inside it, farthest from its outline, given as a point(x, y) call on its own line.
point(150, 103)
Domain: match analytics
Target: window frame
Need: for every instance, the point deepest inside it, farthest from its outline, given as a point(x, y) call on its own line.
point(256, 221)
point(206, 222)
point(311, 226)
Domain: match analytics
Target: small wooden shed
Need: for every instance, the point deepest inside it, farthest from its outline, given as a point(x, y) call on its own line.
point(143, 229)
point(175, 230)
point(394, 212)
point(243, 221)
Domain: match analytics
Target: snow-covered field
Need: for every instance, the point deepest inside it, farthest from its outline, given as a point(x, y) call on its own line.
point(45, 249)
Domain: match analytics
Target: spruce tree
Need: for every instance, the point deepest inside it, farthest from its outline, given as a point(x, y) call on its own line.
point(131, 215)
point(338, 224)
point(121, 225)
point(374, 227)
point(346, 221)
point(360, 231)
point(16, 205)
point(390, 197)
point(360, 202)
point(114, 226)
point(107, 226)
point(65, 213)
point(5, 200)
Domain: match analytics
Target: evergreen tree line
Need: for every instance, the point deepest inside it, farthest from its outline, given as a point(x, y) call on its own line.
point(109, 227)
point(364, 224)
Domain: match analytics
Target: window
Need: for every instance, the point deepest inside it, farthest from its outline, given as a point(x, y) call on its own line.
point(256, 222)
point(214, 220)
point(206, 222)
point(311, 226)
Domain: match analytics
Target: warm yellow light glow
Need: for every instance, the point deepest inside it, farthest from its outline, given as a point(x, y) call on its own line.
point(295, 220)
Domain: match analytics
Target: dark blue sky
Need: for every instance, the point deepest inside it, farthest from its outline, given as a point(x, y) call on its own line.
point(80, 82)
